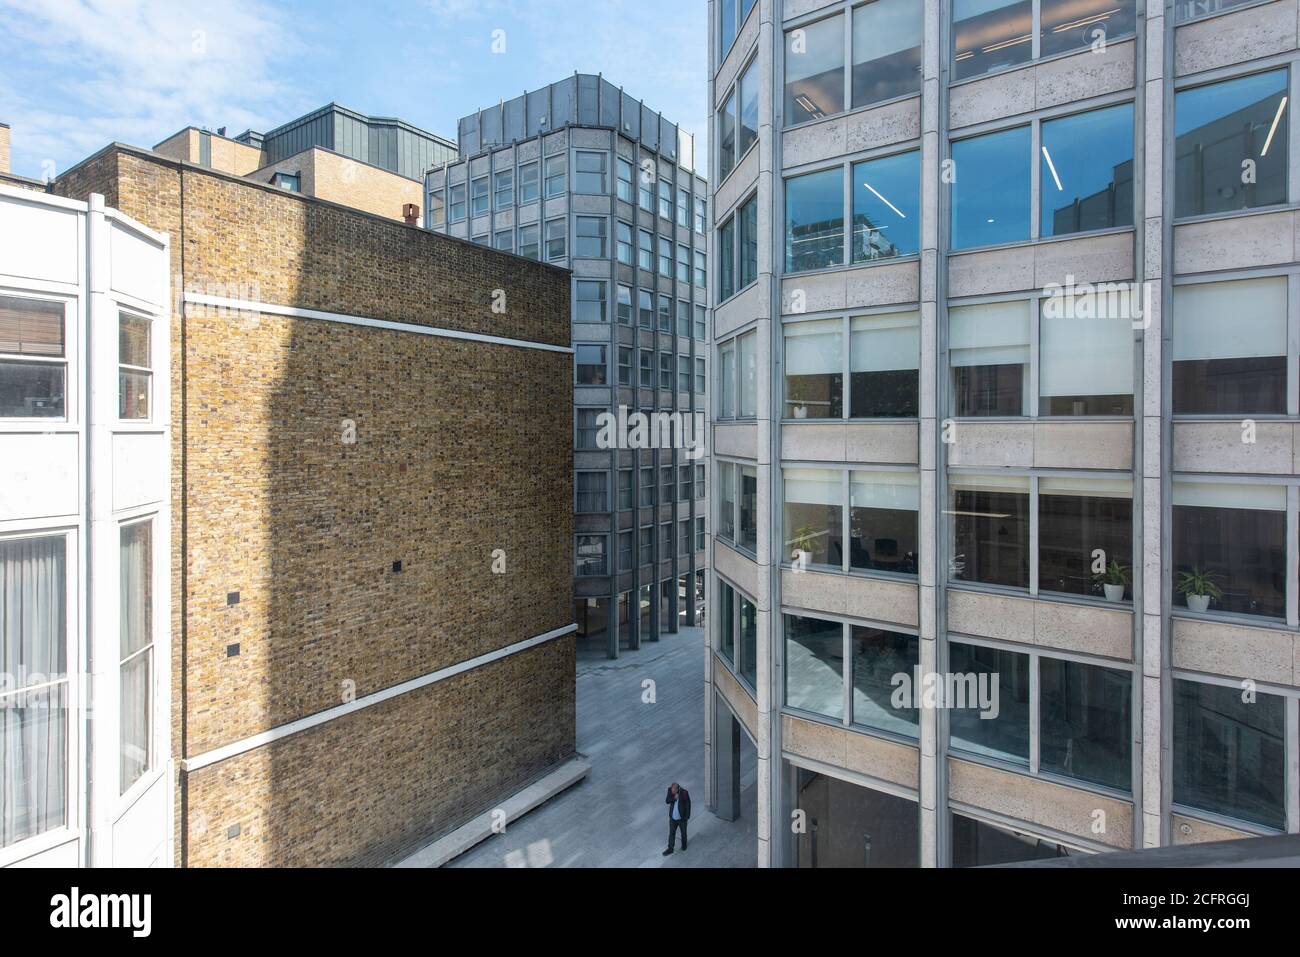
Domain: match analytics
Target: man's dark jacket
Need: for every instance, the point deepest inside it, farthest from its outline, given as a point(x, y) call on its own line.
point(684, 797)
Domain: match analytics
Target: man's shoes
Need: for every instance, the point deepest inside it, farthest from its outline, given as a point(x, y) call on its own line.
point(683, 847)
point(669, 851)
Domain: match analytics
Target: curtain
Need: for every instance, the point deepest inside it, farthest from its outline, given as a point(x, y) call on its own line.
point(136, 636)
point(33, 650)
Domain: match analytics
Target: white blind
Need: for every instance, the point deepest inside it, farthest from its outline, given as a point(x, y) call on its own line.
point(885, 343)
point(989, 483)
point(812, 486)
point(748, 351)
point(995, 333)
point(813, 348)
point(1241, 319)
point(1224, 495)
point(900, 490)
point(1089, 487)
point(1086, 356)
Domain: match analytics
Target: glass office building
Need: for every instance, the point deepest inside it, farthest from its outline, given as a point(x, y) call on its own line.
point(583, 175)
point(1006, 330)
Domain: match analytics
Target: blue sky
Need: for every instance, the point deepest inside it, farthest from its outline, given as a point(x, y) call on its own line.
point(78, 74)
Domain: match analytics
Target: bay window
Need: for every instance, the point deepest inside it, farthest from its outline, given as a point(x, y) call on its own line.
point(988, 349)
point(990, 529)
point(33, 358)
point(813, 516)
point(1230, 347)
point(883, 521)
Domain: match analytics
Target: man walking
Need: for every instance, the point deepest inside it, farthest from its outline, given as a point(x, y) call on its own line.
point(679, 813)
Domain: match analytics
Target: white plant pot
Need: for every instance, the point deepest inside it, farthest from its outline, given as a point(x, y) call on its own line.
point(1114, 592)
point(1198, 603)
point(800, 412)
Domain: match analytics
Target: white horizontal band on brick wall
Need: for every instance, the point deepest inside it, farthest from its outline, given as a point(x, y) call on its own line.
point(271, 309)
point(321, 717)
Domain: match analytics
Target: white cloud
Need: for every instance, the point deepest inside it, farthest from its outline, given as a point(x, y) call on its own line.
point(83, 73)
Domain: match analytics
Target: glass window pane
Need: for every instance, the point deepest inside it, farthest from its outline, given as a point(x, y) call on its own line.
point(814, 369)
point(1077, 518)
point(133, 394)
point(990, 196)
point(727, 259)
point(1231, 145)
point(813, 516)
point(726, 622)
point(727, 136)
point(747, 220)
point(748, 641)
point(1229, 754)
point(32, 327)
point(814, 220)
point(879, 656)
point(884, 365)
point(727, 26)
point(1086, 173)
point(136, 634)
point(1086, 355)
point(887, 207)
point(883, 521)
point(32, 389)
point(814, 665)
point(748, 371)
point(727, 388)
point(977, 844)
point(1086, 722)
point(990, 34)
point(1241, 373)
point(989, 709)
point(990, 529)
point(988, 349)
point(886, 50)
point(727, 501)
point(852, 826)
point(814, 71)
point(748, 120)
point(1078, 24)
point(748, 477)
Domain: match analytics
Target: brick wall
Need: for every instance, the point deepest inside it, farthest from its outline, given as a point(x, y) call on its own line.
point(340, 179)
point(461, 448)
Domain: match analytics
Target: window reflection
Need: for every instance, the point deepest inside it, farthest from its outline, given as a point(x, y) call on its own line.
point(814, 71)
point(1087, 171)
point(990, 196)
point(990, 34)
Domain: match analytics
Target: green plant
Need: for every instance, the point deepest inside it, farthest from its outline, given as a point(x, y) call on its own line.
point(1115, 574)
point(803, 540)
point(1197, 582)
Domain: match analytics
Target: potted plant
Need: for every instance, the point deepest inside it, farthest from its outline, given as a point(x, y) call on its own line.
point(1199, 587)
point(802, 544)
point(798, 400)
point(1114, 580)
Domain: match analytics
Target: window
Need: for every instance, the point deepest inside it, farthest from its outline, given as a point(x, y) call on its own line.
point(699, 522)
point(980, 844)
point(645, 250)
point(289, 181)
point(701, 216)
point(684, 537)
point(747, 251)
point(589, 171)
point(528, 182)
point(665, 313)
point(814, 220)
point(738, 121)
point(34, 653)
point(33, 358)
point(1230, 755)
point(1233, 536)
point(814, 71)
point(1189, 9)
point(625, 305)
point(684, 483)
point(666, 199)
point(646, 188)
point(683, 266)
point(990, 34)
point(482, 239)
point(665, 257)
point(1085, 722)
point(647, 555)
point(135, 667)
point(668, 483)
point(877, 656)
point(1068, 25)
point(591, 364)
point(588, 428)
point(590, 240)
point(814, 660)
point(556, 175)
point(528, 241)
point(988, 347)
point(646, 308)
point(1243, 372)
point(592, 489)
point(625, 189)
point(884, 365)
point(665, 541)
point(886, 50)
point(814, 516)
point(814, 364)
point(700, 270)
point(504, 240)
point(990, 529)
point(624, 365)
point(887, 207)
point(683, 373)
point(478, 196)
point(727, 137)
point(437, 209)
point(625, 548)
point(727, 260)
point(701, 324)
point(747, 357)
point(590, 554)
point(748, 641)
point(727, 501)
point(883, 521)
point(503, 187)
point(456, 203)
point(647, 487)
point(990, 197)
point(134, 378)
point(727, 385)
point(1077, 519)
point(665, 371)
point(748, 481)
point(1004, 673)
point(700, 378)
point(725, 644)
point(555, 239)
point(590, 299)
point(1086, 171)
point(624, 246)
point(625, 502)
point(1224, 130)
point(683, 208)
point(733, 14)
point(1086, 363)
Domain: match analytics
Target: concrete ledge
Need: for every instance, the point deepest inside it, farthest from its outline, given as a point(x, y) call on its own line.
point(516, 806)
